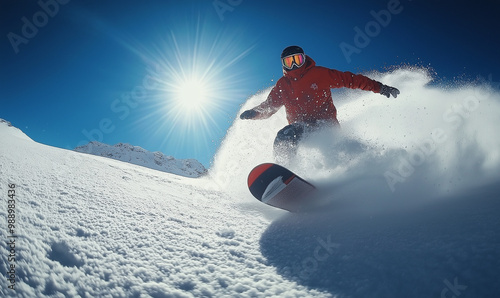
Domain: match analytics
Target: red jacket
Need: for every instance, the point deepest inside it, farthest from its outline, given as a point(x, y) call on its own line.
point(306, 94)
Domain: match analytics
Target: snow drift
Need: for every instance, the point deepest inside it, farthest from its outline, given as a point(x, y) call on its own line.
point(431, 141)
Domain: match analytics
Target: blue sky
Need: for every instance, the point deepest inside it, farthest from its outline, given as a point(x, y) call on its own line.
point(120, 71)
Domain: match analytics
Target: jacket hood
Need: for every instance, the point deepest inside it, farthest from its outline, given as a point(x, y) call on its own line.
point(299, 72)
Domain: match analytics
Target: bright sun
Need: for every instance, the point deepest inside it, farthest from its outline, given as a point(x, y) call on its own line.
point(191, 94)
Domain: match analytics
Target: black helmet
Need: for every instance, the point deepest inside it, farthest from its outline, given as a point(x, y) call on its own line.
point(293, 57)
point(291, 50)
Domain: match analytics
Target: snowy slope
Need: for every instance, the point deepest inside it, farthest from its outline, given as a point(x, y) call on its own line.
point(413, 183)
point(139, 156)
point(92, 227)
point(13, 131)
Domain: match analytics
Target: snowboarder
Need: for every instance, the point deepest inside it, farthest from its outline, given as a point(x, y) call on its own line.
point(305, 92)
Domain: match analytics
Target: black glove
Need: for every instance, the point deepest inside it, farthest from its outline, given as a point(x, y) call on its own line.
point(388, 91)
point(249, 114)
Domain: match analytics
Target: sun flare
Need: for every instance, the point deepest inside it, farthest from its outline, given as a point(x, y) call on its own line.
point(193, 78)
point(192, 94)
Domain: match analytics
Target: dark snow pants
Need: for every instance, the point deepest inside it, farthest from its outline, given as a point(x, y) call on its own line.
point(288, 138)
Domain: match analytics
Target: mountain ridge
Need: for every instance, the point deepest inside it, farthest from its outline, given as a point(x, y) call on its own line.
point(128, 153)
point(139, 156)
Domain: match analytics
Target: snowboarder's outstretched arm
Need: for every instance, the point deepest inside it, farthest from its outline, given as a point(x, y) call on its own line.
point(356, 81)
point(267, 108)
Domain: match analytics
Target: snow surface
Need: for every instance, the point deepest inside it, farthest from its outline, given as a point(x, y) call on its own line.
point(413, 186)
point(91, 226)
point(140, 156)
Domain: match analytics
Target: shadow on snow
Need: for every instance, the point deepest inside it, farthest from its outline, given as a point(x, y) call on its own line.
point(446, 248)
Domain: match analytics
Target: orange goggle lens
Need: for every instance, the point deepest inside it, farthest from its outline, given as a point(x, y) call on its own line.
point(297, 59)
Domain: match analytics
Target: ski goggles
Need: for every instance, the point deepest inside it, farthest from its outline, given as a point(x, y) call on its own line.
point(297, 59)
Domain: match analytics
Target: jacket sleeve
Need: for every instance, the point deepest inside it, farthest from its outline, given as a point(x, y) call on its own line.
point(271, 105)
point(347, 79)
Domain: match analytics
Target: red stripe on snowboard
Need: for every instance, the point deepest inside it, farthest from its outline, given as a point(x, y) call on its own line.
point(257, 172)
point(290, 179)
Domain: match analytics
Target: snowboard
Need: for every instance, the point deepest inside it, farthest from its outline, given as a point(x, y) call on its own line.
point(279, 187)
